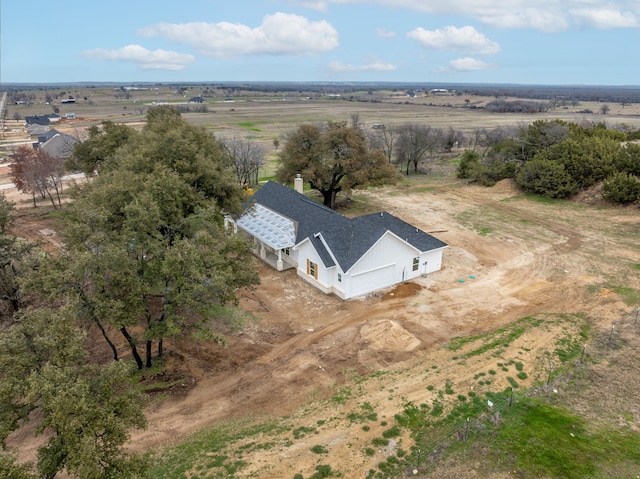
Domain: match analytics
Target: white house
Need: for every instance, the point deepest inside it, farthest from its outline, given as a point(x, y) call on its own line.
point(348, 257)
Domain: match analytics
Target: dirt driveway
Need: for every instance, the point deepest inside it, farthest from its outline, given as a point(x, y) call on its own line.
point(508, 257)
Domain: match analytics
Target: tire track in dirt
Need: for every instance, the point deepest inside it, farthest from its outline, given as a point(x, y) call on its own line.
point(285, 371)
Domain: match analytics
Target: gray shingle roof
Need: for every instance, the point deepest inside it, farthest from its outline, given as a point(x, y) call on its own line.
point(347, 238)
point(58, 145)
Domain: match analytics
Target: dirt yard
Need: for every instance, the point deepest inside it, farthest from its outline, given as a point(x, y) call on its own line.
point(509, 257)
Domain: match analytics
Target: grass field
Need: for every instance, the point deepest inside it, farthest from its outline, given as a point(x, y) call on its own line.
point(271, 115)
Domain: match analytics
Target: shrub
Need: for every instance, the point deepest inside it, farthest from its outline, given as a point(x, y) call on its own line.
point(468, 161)
point(546, 178)
point(621, 188)
point(319, 450)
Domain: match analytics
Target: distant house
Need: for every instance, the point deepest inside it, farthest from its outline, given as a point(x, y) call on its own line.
point(348, 257)
point(56, 144)
point(70, 116)
point(68, 100)
point(439, 91)
point(37, 130)
point(196, 99)
point(44, 120)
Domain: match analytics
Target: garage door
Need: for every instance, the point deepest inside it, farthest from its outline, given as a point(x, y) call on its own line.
point(369, 281)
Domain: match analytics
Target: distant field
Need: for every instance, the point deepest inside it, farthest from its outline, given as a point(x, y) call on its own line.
point(265, 116)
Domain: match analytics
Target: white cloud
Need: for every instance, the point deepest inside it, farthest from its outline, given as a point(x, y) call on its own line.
point(466, 64)
point(280, 33)
point(383, 33)
point(546, 15)
point(465, 39)
point(604, 18)
point(370, 66)
point(538, 19)
point(145, 59)
point(319, 5)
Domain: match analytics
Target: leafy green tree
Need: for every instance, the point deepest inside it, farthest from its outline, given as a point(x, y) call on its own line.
point(468, 160)
point(149, 239)
point(333, 158)
point(16, 259)
point(10, 469)
point(541, 135)
point(84, 410)
point(621, 188)
point(87, 412)
point(7, 214)
point(628, 159)
point(546, 178)
point(587, 160)
point(100, 146)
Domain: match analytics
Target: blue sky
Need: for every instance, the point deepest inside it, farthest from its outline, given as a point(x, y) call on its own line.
point(546, 42)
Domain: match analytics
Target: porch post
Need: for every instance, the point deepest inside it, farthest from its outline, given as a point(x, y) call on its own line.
point(279, 263)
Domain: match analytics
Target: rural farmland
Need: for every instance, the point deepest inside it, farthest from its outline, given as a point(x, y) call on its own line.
point(536, 304)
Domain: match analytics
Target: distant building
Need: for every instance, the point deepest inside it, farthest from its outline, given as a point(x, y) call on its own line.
point(56, 144)
point(70, 116)
point(43, 120)
point(439, 91)
point(196, 99)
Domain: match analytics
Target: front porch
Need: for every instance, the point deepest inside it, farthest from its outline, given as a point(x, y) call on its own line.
point(276, 259)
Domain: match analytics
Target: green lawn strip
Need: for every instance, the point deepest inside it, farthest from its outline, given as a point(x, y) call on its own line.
point(540, 440)
point(215, 449)
point(501, 337)
point(530, 437)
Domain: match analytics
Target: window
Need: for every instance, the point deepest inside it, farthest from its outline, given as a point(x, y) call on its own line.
point(286, 251)
point(416, 264)
point(312, 269)
point(339, 277)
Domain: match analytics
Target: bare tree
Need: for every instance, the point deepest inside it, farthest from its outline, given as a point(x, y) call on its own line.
point(483, 139)
point(36, 172)
point(415, 143)
point(247, 156)
point(452, 138)
point(604, 109)
point(355, 121)
point(384, 139)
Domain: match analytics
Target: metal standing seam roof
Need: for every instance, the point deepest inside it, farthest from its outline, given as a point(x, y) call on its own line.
point(348, 239)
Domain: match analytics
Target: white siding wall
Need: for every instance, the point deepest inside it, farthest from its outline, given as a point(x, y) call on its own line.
point(388, 262)
point(306, 251)
point(434, 262)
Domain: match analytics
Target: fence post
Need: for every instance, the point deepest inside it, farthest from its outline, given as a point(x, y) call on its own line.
point(611, 333)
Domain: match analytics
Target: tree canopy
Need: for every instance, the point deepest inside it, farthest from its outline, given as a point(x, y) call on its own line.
point(332, 158)
point(558, 159)
point(146, 242)
point(146, 257)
